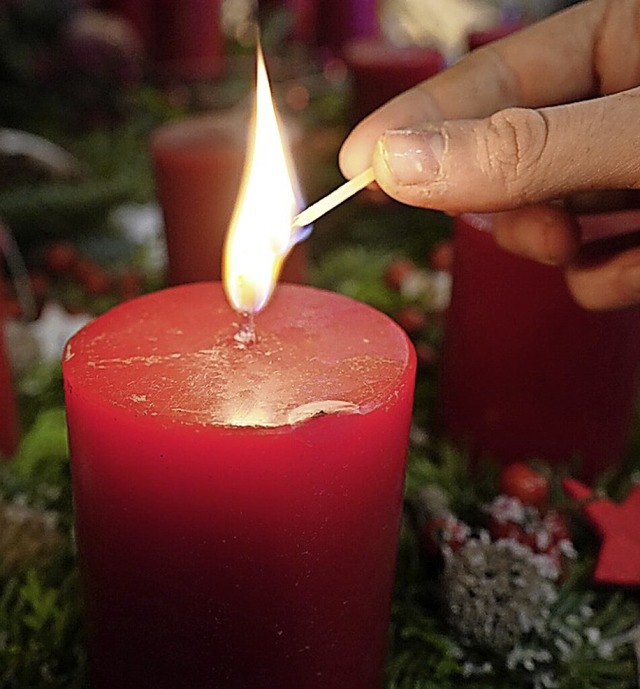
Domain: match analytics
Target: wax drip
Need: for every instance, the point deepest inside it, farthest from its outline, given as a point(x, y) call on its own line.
point(246, 335)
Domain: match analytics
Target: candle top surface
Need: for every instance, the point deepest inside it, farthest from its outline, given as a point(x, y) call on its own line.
point(172, 355)
point(202, 132)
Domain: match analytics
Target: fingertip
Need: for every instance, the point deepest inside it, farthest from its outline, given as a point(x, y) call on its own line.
point(357, 150)
point(630, 278)
point(353, 158)
point(544, 233)
point(611, 284)
point(409, 109)
point(354, 154)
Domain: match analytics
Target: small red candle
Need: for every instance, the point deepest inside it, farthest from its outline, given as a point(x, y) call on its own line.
point(526, 372)
point(187, 41)
point(330, 23)
point(237, 508)
point(183, 38)
point(339, 21)
point(380, 71)
point(198, 168)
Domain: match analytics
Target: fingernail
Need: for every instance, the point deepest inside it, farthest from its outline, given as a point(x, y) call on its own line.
point(412, 157)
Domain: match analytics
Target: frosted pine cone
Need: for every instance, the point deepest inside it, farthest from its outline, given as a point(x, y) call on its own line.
point(497, 592)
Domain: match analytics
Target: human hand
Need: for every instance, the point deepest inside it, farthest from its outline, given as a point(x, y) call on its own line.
point(542, 115)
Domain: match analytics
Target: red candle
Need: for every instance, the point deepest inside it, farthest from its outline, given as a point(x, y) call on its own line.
point(187, 39)
point(339, 21)
point(380, 71)
point(329, 23)
point(305, 20)
point(198, 167)
point(182, 38)
point(528, 373)
point(237, 508)
point(9, 423)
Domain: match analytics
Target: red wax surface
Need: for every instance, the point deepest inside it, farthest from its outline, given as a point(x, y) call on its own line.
point(237, 510)
point(380, 71)
point(9, 424)
point(198, 167)
point(528, 373)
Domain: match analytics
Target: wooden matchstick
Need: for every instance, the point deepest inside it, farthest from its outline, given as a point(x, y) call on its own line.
point(336, 197)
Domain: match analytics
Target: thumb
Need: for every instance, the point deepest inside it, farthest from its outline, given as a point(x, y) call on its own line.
point(516, 157)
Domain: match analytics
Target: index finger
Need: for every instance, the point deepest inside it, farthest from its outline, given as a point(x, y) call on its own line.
point(544, 64)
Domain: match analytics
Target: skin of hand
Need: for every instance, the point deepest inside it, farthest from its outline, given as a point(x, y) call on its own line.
point(551, 112)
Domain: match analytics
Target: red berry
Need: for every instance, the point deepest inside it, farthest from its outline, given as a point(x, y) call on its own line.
point(60, 257)
point(512, 531)
point(39, 284)
point(129, 285)
point(412, 319)
point(520, 481)
point(397, 271)
point(92, 277)
point(441, 256)
point(426, 354)
point(443, 530)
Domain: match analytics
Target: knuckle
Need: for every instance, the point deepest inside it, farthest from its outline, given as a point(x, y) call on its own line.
point(511, 149)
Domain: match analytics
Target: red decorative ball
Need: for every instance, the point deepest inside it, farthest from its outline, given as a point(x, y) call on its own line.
point(60, 257)
point(92, 277)
point(441, 256)
point(515, 532)
point(443, 530)
point(519, 480)
point(412, 318)
point(427, 355)
point(129, 285)
point(397, 271)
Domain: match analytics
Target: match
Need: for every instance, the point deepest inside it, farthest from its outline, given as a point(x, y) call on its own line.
point(335, 198)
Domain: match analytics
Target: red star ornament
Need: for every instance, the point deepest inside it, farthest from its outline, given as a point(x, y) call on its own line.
point(618, 524)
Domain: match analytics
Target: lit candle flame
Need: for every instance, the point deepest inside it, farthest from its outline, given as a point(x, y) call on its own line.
point(261, 231)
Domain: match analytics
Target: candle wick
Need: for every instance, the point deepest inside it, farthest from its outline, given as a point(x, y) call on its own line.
point(246, 335)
